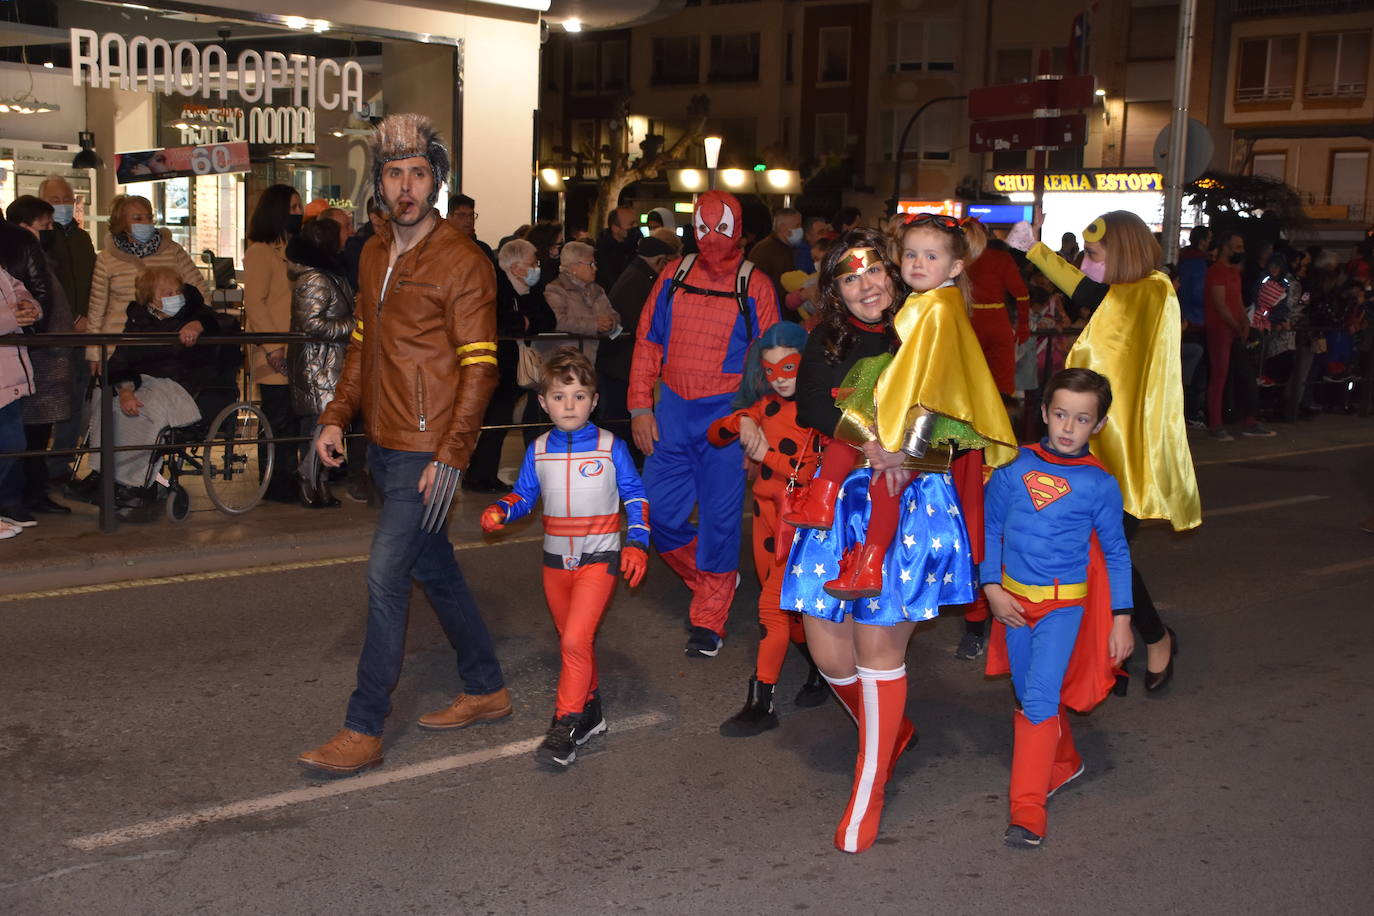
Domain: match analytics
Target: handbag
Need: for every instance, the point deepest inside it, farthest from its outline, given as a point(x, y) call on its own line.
point(529, 369)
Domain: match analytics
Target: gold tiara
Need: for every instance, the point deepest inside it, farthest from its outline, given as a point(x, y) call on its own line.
point(857, 260)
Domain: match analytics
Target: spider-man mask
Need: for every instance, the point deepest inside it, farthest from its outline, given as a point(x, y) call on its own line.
point(718, 223)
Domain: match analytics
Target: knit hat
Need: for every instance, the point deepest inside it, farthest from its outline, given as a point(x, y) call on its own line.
point(650, 247)
point(401, 136)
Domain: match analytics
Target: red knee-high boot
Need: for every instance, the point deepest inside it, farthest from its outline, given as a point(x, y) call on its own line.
point(850, 694)
point(1068, 765)
point(880, 720)
point(1032, 759)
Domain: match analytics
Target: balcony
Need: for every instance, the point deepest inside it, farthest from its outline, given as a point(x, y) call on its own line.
point(1336, 91)
point(1241, 9)
point(1318, 207)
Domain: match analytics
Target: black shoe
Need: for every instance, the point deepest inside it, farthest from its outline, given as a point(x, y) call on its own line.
point(18, 516)
point(815, 692)
point(46, 505)
point(1123, 682)
point(1156, 681)
point(86, 490)
point(592, 722)
point(359, 488)
point(560, 747)
point(756, 717)
point(1018, 837)
point(971, 645)
point(703, 643)
point(136, 504)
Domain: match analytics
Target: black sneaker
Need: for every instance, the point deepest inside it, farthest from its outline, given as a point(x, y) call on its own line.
point(592, 722)
point(703, 643)
point(1018, 837)
point(971, 645)
point(559, 748)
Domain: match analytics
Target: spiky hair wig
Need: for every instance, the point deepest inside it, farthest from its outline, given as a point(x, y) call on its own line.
point(401, 136)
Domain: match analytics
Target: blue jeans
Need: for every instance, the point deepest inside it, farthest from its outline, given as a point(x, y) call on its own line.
point(11, 440)
point(400, 552)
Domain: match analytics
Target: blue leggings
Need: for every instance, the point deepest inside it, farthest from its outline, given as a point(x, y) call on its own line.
point(1039, 655)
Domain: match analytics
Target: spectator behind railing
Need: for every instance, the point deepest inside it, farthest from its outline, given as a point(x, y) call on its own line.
point(155, 386)
point(18, 310)
point(267, 309)
point(322, 307)
point(135, 243)
point(51, 401)
point(520, 310)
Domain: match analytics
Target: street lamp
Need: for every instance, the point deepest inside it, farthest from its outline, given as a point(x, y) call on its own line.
point(712, 145)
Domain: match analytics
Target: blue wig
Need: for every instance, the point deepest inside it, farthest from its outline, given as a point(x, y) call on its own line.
point(753, 385)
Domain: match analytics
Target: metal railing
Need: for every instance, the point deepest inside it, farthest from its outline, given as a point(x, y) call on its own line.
point(107, 449)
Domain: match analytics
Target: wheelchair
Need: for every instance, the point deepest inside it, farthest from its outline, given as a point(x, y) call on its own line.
point(228, 452)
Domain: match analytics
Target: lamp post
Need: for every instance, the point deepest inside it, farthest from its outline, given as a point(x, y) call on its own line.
point(712, 145)
point(901, 148)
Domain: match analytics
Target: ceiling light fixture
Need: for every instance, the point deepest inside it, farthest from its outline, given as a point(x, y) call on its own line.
point(572, 25)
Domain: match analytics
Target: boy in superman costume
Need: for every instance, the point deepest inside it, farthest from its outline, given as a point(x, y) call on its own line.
point(698, 322)
point(1056, 572)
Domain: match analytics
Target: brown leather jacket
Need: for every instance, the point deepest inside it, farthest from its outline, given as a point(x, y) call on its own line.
point(421, 364)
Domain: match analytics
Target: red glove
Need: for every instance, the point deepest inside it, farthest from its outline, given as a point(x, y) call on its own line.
point(493, 518)
point(633, 562)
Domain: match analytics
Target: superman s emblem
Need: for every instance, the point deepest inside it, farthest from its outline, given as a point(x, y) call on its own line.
point(1044, 488)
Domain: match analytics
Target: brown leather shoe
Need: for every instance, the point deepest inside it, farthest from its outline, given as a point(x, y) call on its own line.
point(467, 709)
point(346, 753)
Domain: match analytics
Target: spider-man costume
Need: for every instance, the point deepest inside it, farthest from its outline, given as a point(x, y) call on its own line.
point(692, 339)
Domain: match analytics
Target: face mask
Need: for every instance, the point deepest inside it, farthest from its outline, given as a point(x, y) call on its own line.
point(782, 370)
point(717, 223)
point(794, 237)
point(173, 304)
point(63, 213)
point(293, 223)
point(1237, 258)
point(1094, 270)
point(142, 232)
point(532, 276)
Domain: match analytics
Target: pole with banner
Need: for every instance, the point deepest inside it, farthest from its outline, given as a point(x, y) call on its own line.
point(1178, 131)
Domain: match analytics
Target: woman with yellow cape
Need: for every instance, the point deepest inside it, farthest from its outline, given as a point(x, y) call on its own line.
point(1133, 339)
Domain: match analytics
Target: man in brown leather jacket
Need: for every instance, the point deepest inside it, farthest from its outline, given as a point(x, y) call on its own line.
point(420, 368)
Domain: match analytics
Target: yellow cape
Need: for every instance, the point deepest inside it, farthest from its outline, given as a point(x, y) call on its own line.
point(940, 367)
point(1133, 339)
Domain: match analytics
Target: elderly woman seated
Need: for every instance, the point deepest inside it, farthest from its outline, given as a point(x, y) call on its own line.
point(154, 385)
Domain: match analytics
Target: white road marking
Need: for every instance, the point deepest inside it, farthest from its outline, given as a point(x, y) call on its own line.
point(235, 573)
point(1336, 568)
point(1261, 506)
point(371, 780)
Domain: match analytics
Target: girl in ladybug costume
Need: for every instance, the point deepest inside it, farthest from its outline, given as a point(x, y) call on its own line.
point(765, 423)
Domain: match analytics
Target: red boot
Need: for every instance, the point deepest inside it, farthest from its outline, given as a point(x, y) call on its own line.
point(1032, 760)
point(1068, 765)
point(862, 577)
point(816, 508)
point(880, 718)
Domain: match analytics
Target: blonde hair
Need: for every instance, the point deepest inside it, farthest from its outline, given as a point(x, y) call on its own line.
point(147, 281)
point(1133, 253)
point(119, 208)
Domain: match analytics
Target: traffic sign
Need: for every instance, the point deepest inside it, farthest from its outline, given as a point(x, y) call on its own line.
point(1027, 133)
point(1021, 99)
point(1198, 154)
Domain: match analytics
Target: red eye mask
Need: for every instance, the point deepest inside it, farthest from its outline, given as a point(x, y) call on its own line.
point(783, 369)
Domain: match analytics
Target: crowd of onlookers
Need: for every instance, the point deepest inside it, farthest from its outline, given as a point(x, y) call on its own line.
point(1270, 332)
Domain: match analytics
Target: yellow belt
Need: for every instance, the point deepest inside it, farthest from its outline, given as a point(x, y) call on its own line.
point(989, 305)
point(1055, 592)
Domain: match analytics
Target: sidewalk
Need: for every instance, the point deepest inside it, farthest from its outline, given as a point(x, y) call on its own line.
point(66, 551)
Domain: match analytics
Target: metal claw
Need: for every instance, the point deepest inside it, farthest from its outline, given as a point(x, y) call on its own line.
point(441, 498)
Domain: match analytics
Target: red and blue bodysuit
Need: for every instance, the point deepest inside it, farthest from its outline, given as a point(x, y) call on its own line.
point(692, 339)
point(583, 477)
point(1054, 539)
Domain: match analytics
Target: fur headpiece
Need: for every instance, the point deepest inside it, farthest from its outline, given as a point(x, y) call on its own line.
point(401, 136)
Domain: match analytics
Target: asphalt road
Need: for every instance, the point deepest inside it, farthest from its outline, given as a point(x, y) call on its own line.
point(149, 731)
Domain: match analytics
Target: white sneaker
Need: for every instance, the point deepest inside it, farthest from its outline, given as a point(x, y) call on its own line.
point(8, 530)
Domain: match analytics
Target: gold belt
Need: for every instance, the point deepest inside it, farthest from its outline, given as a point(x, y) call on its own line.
point(989, 305)
point(1056, 592)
